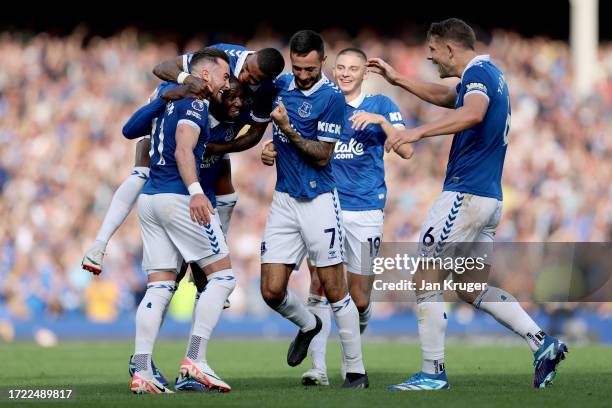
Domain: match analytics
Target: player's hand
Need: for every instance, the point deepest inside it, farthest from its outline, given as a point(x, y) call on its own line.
point(200, 209)
point(197, 86)
point(268, 153)
point(405, 151)
point(362, 119)
point(402, 136)
point(280, 117)
point(380, 67)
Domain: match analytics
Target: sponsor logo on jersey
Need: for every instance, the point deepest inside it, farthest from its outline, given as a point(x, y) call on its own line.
point(305, 110)
point(395, 116)
point(348, 150)
point(333, 128)
point(194, 114)
point(208, 161)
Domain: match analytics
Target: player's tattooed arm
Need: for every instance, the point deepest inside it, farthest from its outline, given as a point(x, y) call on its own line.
point(249, 139)
point(170, 70)
point(438, 94)
point(317, 153)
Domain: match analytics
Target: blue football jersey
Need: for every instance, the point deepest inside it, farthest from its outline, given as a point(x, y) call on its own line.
point(260, 96)
point(358, 163)
point(476, 159)
point(164, 176)
point(211, 164)
point(317, 114)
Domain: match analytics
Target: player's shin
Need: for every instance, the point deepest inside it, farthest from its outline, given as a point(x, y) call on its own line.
point(508, 311)
point(208, 310)
point(293, 309)
point(319, 306)
point(149, 317)
point(432, 330)
point(347, 320)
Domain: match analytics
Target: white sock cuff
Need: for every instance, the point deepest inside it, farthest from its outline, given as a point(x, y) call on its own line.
point(317, 301)
point(162, 288)
point(432, 296)
point(227, 200)
point(225, 277)
point(493, 294)
point(343, 306)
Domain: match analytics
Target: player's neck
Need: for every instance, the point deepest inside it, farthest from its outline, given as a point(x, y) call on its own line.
point(350, 97)
point(464, 59)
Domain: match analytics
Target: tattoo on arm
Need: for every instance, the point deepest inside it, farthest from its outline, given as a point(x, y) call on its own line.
point(316, 152)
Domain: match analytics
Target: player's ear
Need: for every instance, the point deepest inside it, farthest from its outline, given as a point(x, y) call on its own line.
point(205, 75)
point(323, 60)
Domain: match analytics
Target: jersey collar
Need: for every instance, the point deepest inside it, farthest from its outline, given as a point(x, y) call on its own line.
point(240, 62)
point(213, 122)
point(474, 61)
point(312, 90)
point(355, 103)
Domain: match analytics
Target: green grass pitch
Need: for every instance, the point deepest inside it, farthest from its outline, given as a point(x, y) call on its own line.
point(489, 375)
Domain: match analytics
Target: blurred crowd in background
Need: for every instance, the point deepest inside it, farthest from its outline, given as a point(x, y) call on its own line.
point(64, 100)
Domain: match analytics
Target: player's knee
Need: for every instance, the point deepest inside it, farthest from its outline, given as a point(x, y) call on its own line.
point(273, 296)
point(468, 297)
point(361, 302)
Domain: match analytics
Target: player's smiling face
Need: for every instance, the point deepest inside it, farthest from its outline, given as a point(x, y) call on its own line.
point(218, 76)
point(349, 72)
point(232, 100)
point(440, 55)
point(307, 69)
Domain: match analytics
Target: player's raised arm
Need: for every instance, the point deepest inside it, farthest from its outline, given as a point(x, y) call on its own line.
point(187, 134)
point(469, 115)
point(317, 153)
point(438, 94)
point(174, 70)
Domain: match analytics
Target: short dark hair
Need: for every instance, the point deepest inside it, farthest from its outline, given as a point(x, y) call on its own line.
point(454, 29)
point(208, 54)
point(270, 62)
point(353, 50)
point(306, 41)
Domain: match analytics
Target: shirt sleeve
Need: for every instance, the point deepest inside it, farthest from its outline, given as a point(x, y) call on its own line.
point(192, 112)
point(140, 123)
point(330, 122)
point(392, 113)
point(476, 80)
point(187, 61)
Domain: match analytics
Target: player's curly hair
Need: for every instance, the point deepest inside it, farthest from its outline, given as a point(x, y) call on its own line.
point(270, 62)
point(454, 29)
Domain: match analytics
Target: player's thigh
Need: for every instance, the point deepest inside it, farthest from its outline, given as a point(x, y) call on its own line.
point(159, 253)
point(203, 244)
point(282, 241)
point(223, 182)
point(320, 222)
point(453, 223)
point(363, 237)
point(143, 158)
point(274, 280)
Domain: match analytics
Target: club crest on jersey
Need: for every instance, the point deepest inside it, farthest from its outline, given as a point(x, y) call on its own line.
point(263, 247)
point(305, 110)
point(198, 105)
point(229, 134)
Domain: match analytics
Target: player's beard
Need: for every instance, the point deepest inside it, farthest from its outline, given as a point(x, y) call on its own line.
point(305, 85)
